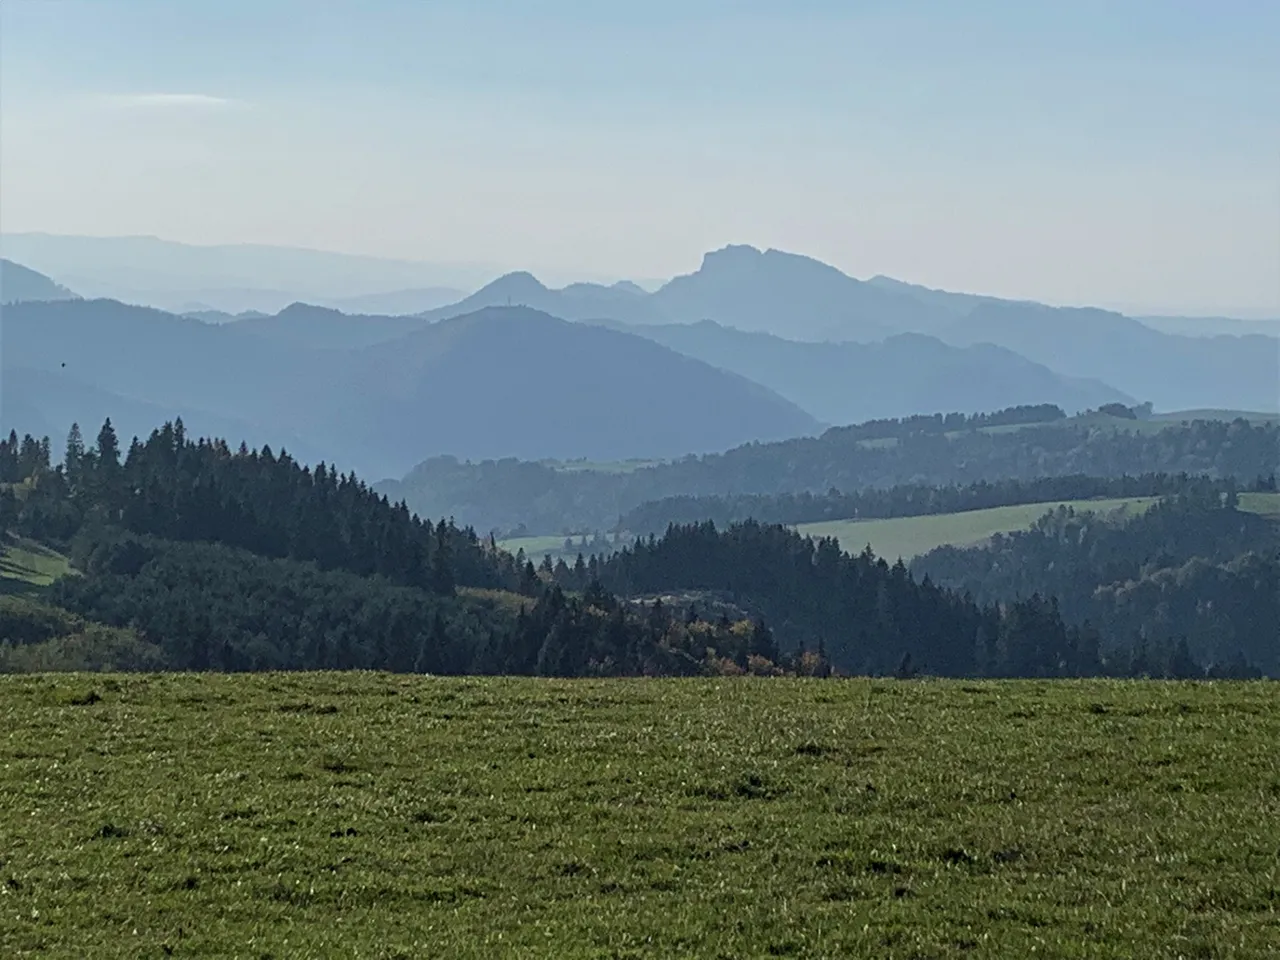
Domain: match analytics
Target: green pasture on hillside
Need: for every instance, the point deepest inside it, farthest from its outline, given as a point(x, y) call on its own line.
point(25, 564)
point(909, 537)
point(1265, 504)
point(379, 816)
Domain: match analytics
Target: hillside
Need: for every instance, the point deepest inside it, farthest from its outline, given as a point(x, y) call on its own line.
point(799, 298)
point(578, 301)
point(520, 383)
point(1172, 372)
point(545, 500)
point(190, 556)
point(738, 286)
point(833, 382)
point(899, 376)
point(19, 283)
point(47, 402)
point(90, 359)
point(795, 296)
point(500, 383)
point(909, 537)
point(305, 326)
point(1184, 573)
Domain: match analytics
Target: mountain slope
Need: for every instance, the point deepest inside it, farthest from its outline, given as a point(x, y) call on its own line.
point(1172, 372)
point(500, 383)
point(46, 403)
point(19, 283)
point(579, 301)
point(160, 358)
point(902, 375)
point(304, 326)
point(789, 295)
point(512, 381)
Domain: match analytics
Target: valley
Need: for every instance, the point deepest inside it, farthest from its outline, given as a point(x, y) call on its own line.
point(619, 481)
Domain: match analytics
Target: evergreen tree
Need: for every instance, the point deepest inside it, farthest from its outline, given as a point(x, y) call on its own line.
point(74, 460)
point(108, 447)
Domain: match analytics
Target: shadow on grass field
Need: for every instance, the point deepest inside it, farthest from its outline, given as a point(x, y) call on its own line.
point(385, 816)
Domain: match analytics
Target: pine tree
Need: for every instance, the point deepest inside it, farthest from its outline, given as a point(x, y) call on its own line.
point(73, 462)
point(108, 447)
point(442, 575)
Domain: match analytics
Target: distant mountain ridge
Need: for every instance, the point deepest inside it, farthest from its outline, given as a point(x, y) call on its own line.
point(19, 283)
point(801, 299)
point(533, 385)
point(1173, 372)
point(499, 383)
point(905, 374)
point(836, 383)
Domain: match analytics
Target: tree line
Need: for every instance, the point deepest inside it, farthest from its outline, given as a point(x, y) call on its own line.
point(176, 488)
point(914, 500)
point(1191, 569)
point(195, 556)
point(503, 495)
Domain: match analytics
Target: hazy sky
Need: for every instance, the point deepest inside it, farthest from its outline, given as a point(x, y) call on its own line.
point(1119, 152)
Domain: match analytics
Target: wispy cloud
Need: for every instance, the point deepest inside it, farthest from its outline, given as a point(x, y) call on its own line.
point(169, 101)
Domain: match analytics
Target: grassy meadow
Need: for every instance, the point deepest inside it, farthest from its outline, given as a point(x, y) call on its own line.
point(380, 816)
point(26, 565)
point(909, 537)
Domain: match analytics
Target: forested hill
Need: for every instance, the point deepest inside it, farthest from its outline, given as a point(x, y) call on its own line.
point(175, 488)
point(1189, 569)
point(507, 495)
point(192, 555)
point(1194, 582)
point(910, 500)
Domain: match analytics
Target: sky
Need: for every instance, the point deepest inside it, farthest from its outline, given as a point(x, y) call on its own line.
point(1123, 154)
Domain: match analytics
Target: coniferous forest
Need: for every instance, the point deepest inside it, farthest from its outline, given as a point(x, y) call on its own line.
point(191, 555)
point(943, 452)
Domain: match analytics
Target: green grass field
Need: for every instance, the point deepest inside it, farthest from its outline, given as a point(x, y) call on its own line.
point(26, 565)
point(1265, 504)
point(376, 816)
point(909, 537)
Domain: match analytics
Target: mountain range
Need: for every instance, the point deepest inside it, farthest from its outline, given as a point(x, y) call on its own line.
point(232, 278)
point(497, 383)
point(739, 286)
point(601, 372)
point(834, 382)
point(907, 373)
point(801, 299)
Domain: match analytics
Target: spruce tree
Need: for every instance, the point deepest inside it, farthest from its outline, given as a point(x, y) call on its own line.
point(74, 460)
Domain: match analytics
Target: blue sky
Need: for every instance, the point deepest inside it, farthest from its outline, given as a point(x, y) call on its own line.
point(1121, 153)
